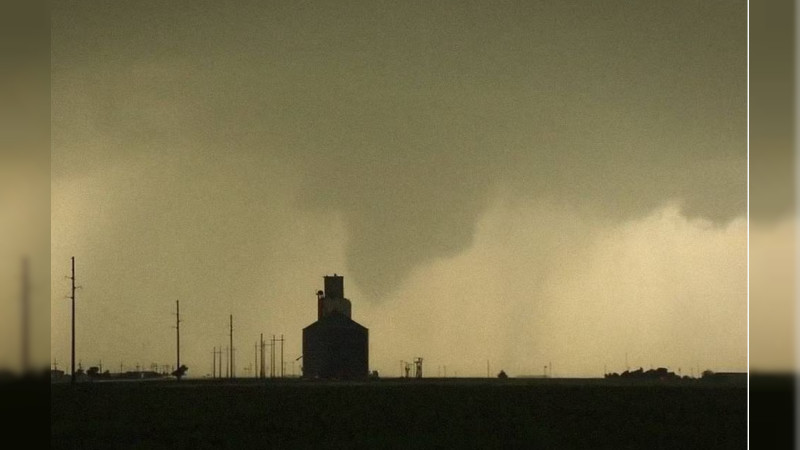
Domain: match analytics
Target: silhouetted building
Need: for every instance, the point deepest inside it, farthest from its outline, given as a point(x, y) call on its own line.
point(335, 346)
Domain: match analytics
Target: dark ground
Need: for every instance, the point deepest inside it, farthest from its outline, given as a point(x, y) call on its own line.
point(773, 417)
point(513, 413)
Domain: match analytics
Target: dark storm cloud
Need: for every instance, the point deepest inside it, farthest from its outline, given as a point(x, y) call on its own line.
point(404, 118)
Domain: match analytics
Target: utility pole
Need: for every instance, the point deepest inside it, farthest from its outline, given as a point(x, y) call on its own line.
point(487, 369)
point(255, 363)
point(25, 312)
point(178, 336)
point(272, 372)
point(214, 364)
point(230, 360)
point(281, 356)
point(263, 366)
point(219, 361)
point(73, 320)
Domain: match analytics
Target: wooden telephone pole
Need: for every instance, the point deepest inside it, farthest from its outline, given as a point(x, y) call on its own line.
point(178, 337)
point(72, 296)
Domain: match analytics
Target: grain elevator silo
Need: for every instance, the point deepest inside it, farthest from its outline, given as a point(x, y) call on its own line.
point(335, 346)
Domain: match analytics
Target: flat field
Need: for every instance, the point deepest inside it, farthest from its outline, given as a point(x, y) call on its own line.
point(429, 413)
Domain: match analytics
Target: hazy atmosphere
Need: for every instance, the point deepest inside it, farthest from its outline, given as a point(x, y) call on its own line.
point(527, 183)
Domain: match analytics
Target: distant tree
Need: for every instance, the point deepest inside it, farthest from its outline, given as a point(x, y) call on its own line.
point(93, 372)
point(180, 371)
point(502, 374)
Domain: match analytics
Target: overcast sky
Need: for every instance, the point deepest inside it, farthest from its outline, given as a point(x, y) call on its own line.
point(520, 182)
